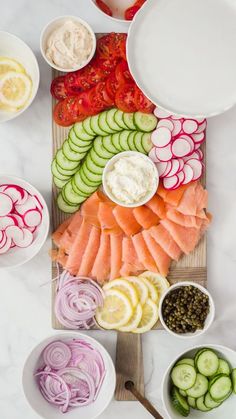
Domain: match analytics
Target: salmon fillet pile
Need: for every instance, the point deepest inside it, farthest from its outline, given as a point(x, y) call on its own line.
point(105, 241)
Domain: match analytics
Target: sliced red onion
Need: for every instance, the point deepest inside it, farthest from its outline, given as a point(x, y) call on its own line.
point(57, 355)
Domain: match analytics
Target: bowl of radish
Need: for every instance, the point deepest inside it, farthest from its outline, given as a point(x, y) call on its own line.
point(24, 221)
point(69, 373)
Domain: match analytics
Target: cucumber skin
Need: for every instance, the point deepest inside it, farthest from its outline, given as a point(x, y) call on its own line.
point(212, 384)
point(233, 378)
point(178, 401)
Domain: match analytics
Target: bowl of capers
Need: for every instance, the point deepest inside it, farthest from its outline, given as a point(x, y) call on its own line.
point(186, 309)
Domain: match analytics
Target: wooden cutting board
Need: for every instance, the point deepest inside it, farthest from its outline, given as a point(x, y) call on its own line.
point(192, 267)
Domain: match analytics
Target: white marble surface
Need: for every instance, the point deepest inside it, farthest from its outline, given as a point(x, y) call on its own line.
point(25, 150)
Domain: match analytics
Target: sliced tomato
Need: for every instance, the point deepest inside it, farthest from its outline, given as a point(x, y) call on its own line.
point(112, 46)
point(61, 115)
point(122, 73)
point(72, 83)
point(106, 66)
point(97, 103)
point(112, 85)
point(104, 7)
point(143, 104)
point(58, 89)
point(131, 12)
point(124, 98)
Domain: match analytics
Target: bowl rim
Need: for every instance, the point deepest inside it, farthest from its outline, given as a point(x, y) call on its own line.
point(210, 316)
point(36, 84)
point(111, 162)
point(115, 19)
point(63, 334)
point(47, 221)
point(215, 346)
point(61, 18)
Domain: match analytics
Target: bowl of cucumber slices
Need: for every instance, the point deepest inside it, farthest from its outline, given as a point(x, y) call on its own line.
point(201, 380)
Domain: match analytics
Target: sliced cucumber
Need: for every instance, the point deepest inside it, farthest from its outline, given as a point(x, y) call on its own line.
point(102, 120)
point(138, 142)
point(221, 387)
point(87, 180)
point(94, 177)
point(146, 142)
point(59, 183)
point(96, 127)
point(64, 162)
point(99, 161)
point(111, 120)
point(201, 406)
point(119, 119)
point(77, 190)
point(63, 206)
point(145, 122)
point(183, 393)
point(81, 185)
point(129, 121)
point(100, 150)
point(56, 173)
point(233, 376)
point(192, 402)
point(108, 145)
point(199, 388)
point(79, 149)
point(124, 135)
point(198, 353)
point(87, 127)
point(71, 196)
point(131, 141)
point(67, 172)
point(188, 361)
point(224, 367)
point(208, 363)
point(183, 376)
point(81, 142)
point(93, 167)
point(209, 402)
point(116, 141)
point(81, 133)
point(71, 154)
point(179, 402)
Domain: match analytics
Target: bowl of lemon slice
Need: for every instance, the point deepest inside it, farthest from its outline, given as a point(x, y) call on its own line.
point(19, 76)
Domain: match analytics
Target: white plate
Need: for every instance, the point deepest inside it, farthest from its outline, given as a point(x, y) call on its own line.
point(182, 54)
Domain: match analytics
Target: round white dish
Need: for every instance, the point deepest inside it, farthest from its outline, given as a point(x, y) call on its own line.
point(182, 55)
point(109, 167)
point(223, 411)
point(209, 319)
point(118, 7)
point(56, 23)
point(19, 256)
point(13, 47)
point(47, 411)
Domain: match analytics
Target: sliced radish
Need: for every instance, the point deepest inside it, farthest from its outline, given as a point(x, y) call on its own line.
point(174, 169)
point(197, 146)
point(161, 137)
point(181, 147)
point(190, 126)
point(177, 127)
point(200, 120)
point(6, 204)
point(15, 192)
point(201, 127)
point(181, 177)
point(194, 155)
point(197, 167)
point(161, 113)
point(164, 153)
point(153, 156)
point(170, 182)
point(24, 199)
point(8, 220)
point(6, 246)
point(181, 164)
point(175, 117)
point(15, 233)
point(37, 202)
point(190, 141)
point(189, 175)
point(200, 153)
point(161, 167)
point(167, 123)
point(29, 204)
point(19, 220)
point(198, 138)
point(32, 218)
point(27, 238)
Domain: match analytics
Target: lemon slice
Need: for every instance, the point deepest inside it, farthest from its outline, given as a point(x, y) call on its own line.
point(134, 320)
point(8, 64)
point(149, 317)
point(15, 89)
point(126, 287)
point(141, 288)
point(116, 311)
point(159, 281)
point(152, 291)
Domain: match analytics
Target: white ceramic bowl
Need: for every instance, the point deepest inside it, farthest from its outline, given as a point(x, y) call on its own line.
point(109, 166)
point(209, 319)
point(13, 47)
point(224, 411)
point(19, 256)
point(56, 23)
point(118, 7)
point(47, 411)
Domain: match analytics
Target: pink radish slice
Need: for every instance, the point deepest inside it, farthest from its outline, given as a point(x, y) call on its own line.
point(161, 167)
point(181, 147)
point(15, 192)
point(153, 156)
point(6, 204)
point(6, 246)
point(24, 199)
point(27, 238)
point(164, 153)
point(161, 137)
point(181, 164)
point(32, 218)
point(200, 153)
point(197, 167)
point(201, 127)
point(7, 221)
point(190, 141)
point(32, 229)
point(170, 182)
point(19, 221)
point(37, 202)
point(167, 123)
point(198, 138)
point(174, 169)
point(160, 113)
point(29, 204)
point(188, 171)
point(190, 126)
point(200, 120)
point(181, 177)
point(15, 233)
point(177, 127)
point(176, 117)
point(168, 169)
point(194, 155)
point(4, 239)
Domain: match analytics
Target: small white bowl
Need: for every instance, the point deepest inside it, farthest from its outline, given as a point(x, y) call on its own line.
point(13, 47)
point(19, 256)
point(47, 411)
point(56, 23)
point(224, 411)
point(109, 167)
point(118, 7)
point(209, 319)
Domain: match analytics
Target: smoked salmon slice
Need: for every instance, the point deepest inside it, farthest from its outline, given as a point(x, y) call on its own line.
point(186, 238)
point(188, 204)
point(145, 216)
point(90, 253)
point(201, 196)
point(129, 254)
point(78, 247)
point(165, 241)
point(102, 264)
point(89, 210)
point(172, 197)
point(106, 218)
point(157, 205)
point(126, 220)
point(70, 233)
point(162, 260)
point(183, 220)
point(56, 236)
point(143, 253)
point(116, 255)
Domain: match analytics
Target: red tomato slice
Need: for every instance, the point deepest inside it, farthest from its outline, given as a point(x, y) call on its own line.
point(131, 12)
point(112, 85)
point(62, 116)
point(143, 104)
point(112, 46)
point(122, 73)
point(72, 84)
point(103, 6)
point(96, 101)
point(58, 89)
point(125, 98)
